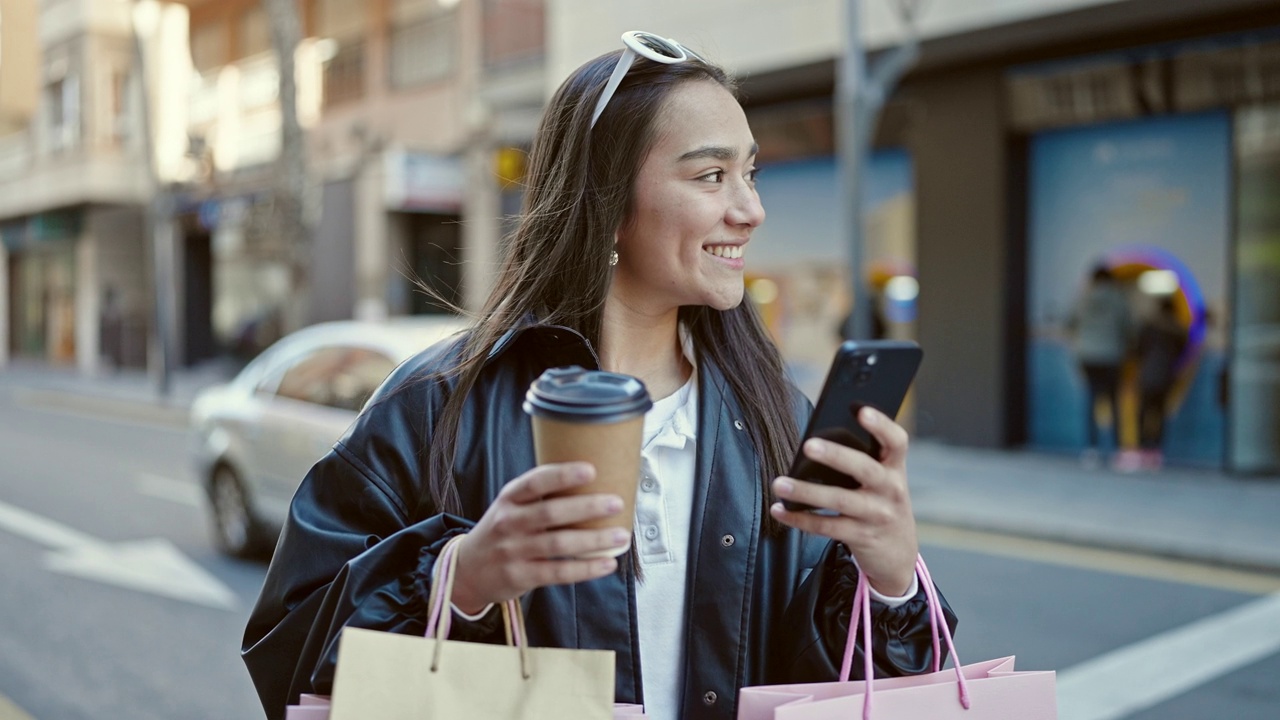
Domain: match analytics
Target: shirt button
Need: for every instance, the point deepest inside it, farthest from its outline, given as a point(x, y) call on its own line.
point(709, 697)
point(647, 485)
point(727, 541)
point(651, 532)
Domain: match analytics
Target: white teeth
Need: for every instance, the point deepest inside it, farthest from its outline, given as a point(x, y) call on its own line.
point(731, 252)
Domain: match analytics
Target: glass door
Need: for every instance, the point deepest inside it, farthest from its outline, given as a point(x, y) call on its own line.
point(1254, 377)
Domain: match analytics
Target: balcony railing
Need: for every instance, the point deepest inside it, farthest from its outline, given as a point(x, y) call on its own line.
point(424, 51)
point(15, 155)
point(344, 74)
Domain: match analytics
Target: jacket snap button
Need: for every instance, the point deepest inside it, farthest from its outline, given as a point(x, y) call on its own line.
point(738, 424)
point(709, 698)
point(727, 541)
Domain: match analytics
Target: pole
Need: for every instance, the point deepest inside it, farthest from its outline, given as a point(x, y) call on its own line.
point(163, 230)
point(852, 135)
point(160, 226)
point(861, 92)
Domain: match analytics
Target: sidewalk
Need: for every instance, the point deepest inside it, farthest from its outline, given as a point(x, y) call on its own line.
point(1199, 515)
point(130, 392)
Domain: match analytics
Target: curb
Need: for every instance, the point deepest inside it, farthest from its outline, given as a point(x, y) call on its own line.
point(1249, 559)
point(150, 412)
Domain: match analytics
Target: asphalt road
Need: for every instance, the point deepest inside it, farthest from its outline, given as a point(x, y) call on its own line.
point(88, 636)
point(74, 648)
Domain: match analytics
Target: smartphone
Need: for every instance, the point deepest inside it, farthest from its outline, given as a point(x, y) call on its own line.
point(864, 372)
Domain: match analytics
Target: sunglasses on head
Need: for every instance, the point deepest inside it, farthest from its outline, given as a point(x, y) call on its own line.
point(652, 47)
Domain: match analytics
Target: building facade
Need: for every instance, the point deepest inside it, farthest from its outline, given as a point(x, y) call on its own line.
point(78, 165)
point(1030, 143)
point(411, 108)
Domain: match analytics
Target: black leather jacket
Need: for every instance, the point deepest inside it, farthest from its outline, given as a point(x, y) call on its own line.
point(359, 546)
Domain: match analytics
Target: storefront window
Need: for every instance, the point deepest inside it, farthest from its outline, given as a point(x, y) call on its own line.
point(1147, 202)
point(42, 302)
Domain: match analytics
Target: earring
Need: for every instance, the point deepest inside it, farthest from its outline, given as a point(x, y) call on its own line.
point(613, 258)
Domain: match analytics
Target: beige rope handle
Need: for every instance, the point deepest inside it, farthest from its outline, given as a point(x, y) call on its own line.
point(443, 598)
point(435, 594)
point(513, 619)
point(439, 606)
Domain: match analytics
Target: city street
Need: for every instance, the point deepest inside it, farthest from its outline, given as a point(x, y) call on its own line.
point(76, 647)
point(116, 606)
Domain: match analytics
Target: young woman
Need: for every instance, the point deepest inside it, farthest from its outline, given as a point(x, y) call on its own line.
point(640, 206)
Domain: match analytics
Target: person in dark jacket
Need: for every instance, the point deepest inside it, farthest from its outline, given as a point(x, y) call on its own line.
point(1102, 327)
point(1161, 341)
point(640, 202)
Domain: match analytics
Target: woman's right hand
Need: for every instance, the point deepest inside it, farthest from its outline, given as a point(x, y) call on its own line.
point(521, 543)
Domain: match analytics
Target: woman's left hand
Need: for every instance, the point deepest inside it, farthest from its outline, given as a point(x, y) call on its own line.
point(875, 522)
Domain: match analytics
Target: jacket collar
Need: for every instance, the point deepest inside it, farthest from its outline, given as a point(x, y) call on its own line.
point(529, 327)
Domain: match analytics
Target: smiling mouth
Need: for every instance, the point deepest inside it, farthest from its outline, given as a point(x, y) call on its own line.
point(728, 252)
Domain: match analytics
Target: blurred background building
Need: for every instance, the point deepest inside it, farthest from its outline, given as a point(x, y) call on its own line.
point(1032, 141)
point(74, 176)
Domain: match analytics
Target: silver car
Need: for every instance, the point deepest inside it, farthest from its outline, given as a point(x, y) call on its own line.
point(256, 437)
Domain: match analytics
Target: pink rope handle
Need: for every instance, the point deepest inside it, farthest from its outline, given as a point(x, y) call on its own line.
point(940, 621)
point(937, 625)
point(438, 598)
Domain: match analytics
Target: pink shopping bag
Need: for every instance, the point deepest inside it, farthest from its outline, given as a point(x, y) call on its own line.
point(981, 691)
point(309, 707)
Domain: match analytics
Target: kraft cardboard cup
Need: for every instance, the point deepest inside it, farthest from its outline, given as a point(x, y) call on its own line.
point(596, 417)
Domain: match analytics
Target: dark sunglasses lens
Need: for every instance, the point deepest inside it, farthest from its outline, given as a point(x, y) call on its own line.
point(658, 45)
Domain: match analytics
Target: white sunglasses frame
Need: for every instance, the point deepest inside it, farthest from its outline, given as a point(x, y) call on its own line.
point(633, 46)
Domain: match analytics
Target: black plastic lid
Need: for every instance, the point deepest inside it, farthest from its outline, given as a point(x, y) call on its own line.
point(573, 394)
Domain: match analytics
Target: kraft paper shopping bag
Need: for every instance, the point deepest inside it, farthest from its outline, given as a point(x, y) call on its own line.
point(389, 676)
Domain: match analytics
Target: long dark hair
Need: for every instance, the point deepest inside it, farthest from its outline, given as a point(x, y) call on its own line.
point(580, 183)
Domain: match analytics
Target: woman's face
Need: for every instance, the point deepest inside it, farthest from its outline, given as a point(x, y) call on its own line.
point(694, 209)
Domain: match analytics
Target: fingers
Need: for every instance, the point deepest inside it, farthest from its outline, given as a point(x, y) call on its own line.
point(854, 463)
point(892, 437)
point(866, 529)
point(564, 572)
point(547, 480)
point(850, 503)
point(825, 525)
point(562, 544)
point(537, 517)
point(867, 470)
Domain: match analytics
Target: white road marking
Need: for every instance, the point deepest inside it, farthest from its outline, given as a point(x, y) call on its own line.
point(1139, 676)
point(153, 566)
point(41, 530)
point(183, 493)
point(10, 711)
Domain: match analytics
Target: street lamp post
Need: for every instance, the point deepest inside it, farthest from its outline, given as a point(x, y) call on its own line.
point(160, 220)
point(861, 91)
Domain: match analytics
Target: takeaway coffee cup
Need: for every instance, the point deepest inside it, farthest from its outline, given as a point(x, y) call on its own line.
point(596, 417)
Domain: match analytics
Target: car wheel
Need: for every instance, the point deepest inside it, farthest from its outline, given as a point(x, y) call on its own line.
point(236, 529)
